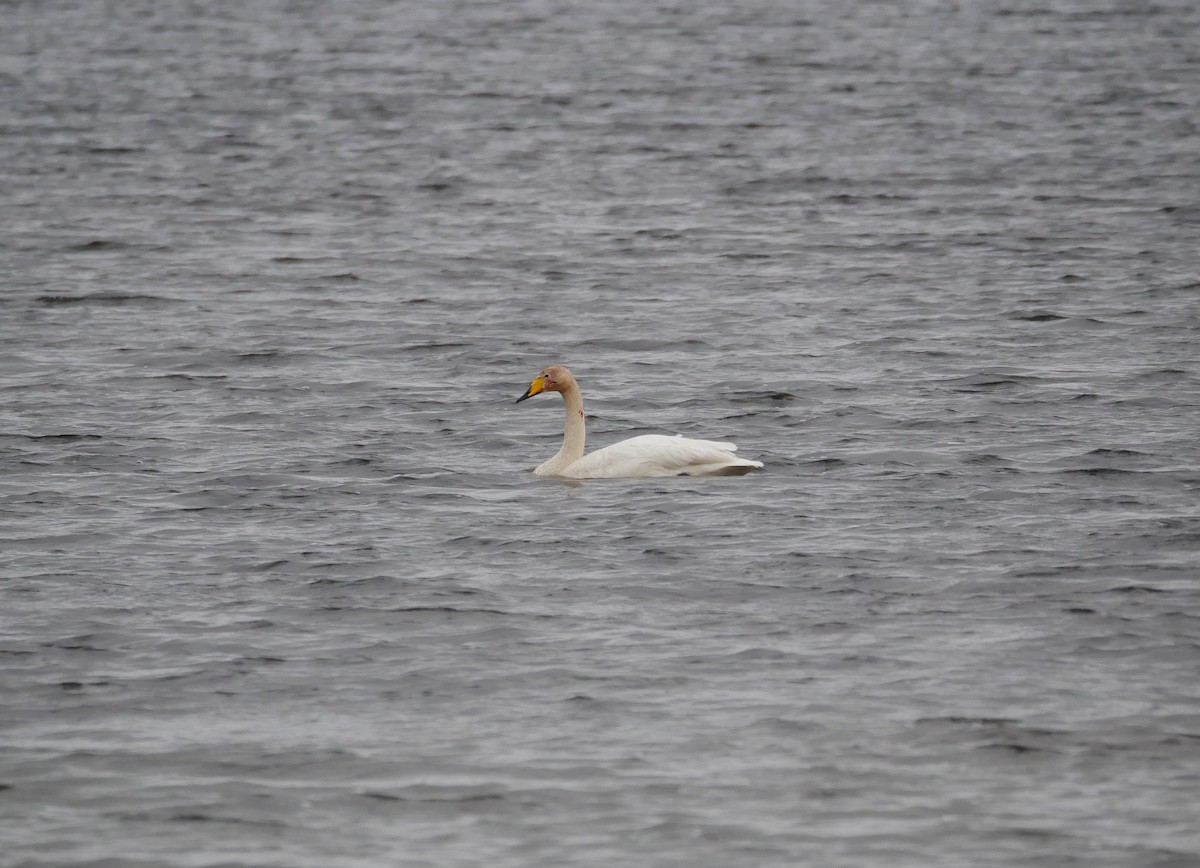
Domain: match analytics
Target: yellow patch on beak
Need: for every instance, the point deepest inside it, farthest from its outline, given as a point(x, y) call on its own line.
point(535, 388)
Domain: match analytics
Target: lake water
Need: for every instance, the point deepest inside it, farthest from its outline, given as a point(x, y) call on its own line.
point(277, 584)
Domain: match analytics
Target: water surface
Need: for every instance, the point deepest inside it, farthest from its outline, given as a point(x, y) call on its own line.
point(279, 588)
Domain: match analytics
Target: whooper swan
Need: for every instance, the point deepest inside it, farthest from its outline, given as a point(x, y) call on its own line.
point(648, 455)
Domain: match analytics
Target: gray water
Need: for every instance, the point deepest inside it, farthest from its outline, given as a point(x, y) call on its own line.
point(278, 587)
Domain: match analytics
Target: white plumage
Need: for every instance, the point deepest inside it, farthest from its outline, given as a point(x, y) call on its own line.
point(647, 455)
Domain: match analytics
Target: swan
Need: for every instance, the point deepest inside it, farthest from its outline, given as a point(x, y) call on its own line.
point(648, 455)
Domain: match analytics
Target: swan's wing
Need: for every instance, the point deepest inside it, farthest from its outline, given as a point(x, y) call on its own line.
point(658, 455)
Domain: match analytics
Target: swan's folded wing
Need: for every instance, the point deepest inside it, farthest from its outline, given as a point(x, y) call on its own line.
point(658, 455)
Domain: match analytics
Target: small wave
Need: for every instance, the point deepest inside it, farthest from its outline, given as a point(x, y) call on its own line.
point(54, 438)
point(1160, 375)
point(1039, 316)
point(642, 344)
point(102, 298)
point(970, 721)
point(434, 798)
point(186, 378)
point(449, 610)
point(1099, 471)
point(1012, 747)
point(96, 246)
point(987, 380)
point(773, 395)
point(825, 463)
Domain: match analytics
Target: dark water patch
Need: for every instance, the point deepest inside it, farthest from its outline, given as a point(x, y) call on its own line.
point(1012, 747)
point(1117, 453)
point(424, 346)
point(994, 734)
point(1039, 316)
point(444, 184)
point(1144, 402)
point(114, 149)
point(465, 799)
point(86, 642)
point(262, 355)
point(448, 610)
point(662, 554)
point(73, 686)
point(102, 299)
point(1104, 471)
point(268, 566)
point(97, 246)
point(987, 459)
point(1163, 375)
point(354, 462)
point(1187, 214)
point(253, 661)
point(1181, 738)
point(772, 396)
point(663, 234)
point(825, 464)
point(1046, 572)
point(986, 382)
point(187, 379)
point(175, 815)
point(53, 438)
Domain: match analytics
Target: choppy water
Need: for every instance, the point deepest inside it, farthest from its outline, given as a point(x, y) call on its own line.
point(278, 587)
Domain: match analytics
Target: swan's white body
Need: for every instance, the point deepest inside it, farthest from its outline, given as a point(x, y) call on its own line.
point(648, 455)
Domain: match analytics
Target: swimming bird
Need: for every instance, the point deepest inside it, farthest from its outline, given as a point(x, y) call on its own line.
point(648, 455)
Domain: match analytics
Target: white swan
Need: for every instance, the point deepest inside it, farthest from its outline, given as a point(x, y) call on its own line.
point(648, 455)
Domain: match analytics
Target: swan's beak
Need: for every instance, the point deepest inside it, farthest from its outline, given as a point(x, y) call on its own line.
point(535, 388)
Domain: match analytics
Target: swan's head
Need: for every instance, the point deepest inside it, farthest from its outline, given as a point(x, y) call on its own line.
point(555, 378)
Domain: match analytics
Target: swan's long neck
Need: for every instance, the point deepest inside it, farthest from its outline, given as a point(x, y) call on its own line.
point(576, 429)
point(573, 437)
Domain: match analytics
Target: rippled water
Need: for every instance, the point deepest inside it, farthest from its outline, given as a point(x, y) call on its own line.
point(278, 585)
